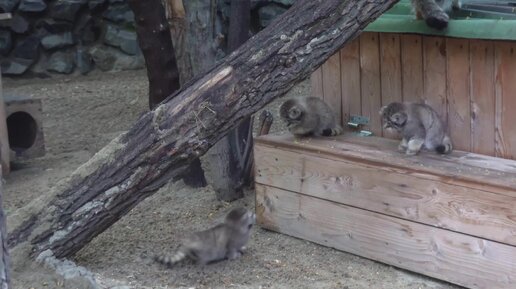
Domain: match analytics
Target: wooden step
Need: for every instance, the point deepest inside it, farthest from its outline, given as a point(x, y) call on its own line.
point(441, 214)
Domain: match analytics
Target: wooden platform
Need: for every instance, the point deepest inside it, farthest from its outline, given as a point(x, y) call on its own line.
point(449, 217)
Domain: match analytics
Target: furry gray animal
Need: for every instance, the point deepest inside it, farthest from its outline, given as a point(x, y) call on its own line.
point(309, 116)
point(225, 240)
point(435, 12)
point(419, 124)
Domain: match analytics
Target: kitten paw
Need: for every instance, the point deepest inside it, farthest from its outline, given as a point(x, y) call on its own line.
point(234, 255)
point(411, 153)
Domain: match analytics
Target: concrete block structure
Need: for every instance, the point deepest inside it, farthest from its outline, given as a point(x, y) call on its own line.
point(24, 126)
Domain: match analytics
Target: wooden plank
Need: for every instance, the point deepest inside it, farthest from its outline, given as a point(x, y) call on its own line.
point(482, 97)
point(390, 192)
point(412, 67)
point(460, 168)
point(434, 56)
point(390, 59)
point(316, 83)
point(350, 80)
point(331, 84)
point(505, 116)
point(458, 77)
point(450, 256)
point(370, 80)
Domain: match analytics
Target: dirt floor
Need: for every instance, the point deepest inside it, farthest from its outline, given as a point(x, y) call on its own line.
point(80, 116)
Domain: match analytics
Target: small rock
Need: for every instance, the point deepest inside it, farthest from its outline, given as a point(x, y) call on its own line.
point(19, 24)
point(94, 4)
point(6, 42)
point(110, 59)
point(66, 9)
point(54, 27)
point(124, 39)
point(27, 48)
point(8, 5)
point(119, 14)
point(32, 5)
point(104, 58)
point(87, 29)
point(83, 60)
point(61, 62)
point(15, 66)
point(269, 12)
point(57, 40)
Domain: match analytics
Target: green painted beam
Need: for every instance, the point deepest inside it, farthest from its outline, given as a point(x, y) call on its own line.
point(464, 24)
point(471, 28)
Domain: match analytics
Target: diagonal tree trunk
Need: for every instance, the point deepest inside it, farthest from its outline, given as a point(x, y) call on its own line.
point(163, 141)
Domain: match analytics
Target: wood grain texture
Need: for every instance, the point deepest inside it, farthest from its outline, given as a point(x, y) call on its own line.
point(505, 55)
point(316, 83)
point(458, 77)
point(390, 73)
point(391, 192)
point(454, 257)
point(370, 81)
point(331, 84)
point(412, 67)
point(458, 168)
point(434, 92)
point(350, 80)
point(482, 97)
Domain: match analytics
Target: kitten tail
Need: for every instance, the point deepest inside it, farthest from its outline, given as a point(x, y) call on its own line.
point(337, 130)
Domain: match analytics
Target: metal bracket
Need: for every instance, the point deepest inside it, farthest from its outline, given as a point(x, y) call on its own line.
point(355, 121)
point(365, 133)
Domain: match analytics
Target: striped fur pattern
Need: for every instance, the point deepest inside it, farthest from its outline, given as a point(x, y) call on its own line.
point(419, 125)
point(309, 116)
point(223, 241)
point(435, 12)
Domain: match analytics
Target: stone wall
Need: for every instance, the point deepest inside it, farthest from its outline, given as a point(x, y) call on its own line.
point(77, 36)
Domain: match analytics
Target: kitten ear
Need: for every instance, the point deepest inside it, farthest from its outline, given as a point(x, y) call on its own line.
point(382, 109)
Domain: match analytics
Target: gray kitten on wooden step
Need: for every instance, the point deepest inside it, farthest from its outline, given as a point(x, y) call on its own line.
point(309, 116)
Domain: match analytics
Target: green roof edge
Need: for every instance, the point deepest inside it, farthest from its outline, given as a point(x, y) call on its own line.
point(493, 29)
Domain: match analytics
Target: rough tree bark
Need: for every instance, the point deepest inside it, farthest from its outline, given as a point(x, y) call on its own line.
point(4, 254)
point(156, 43)
point(228, 171)
point(163, 141)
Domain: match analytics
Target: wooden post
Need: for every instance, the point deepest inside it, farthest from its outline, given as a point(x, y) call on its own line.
point(164, 141)
point(228, 159)
point(156, 44)
point(4, 140)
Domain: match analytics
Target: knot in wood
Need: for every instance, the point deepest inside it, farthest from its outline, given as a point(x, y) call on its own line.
point(290, 61)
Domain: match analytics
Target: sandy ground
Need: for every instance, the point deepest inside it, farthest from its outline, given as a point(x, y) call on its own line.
point(80, 116)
